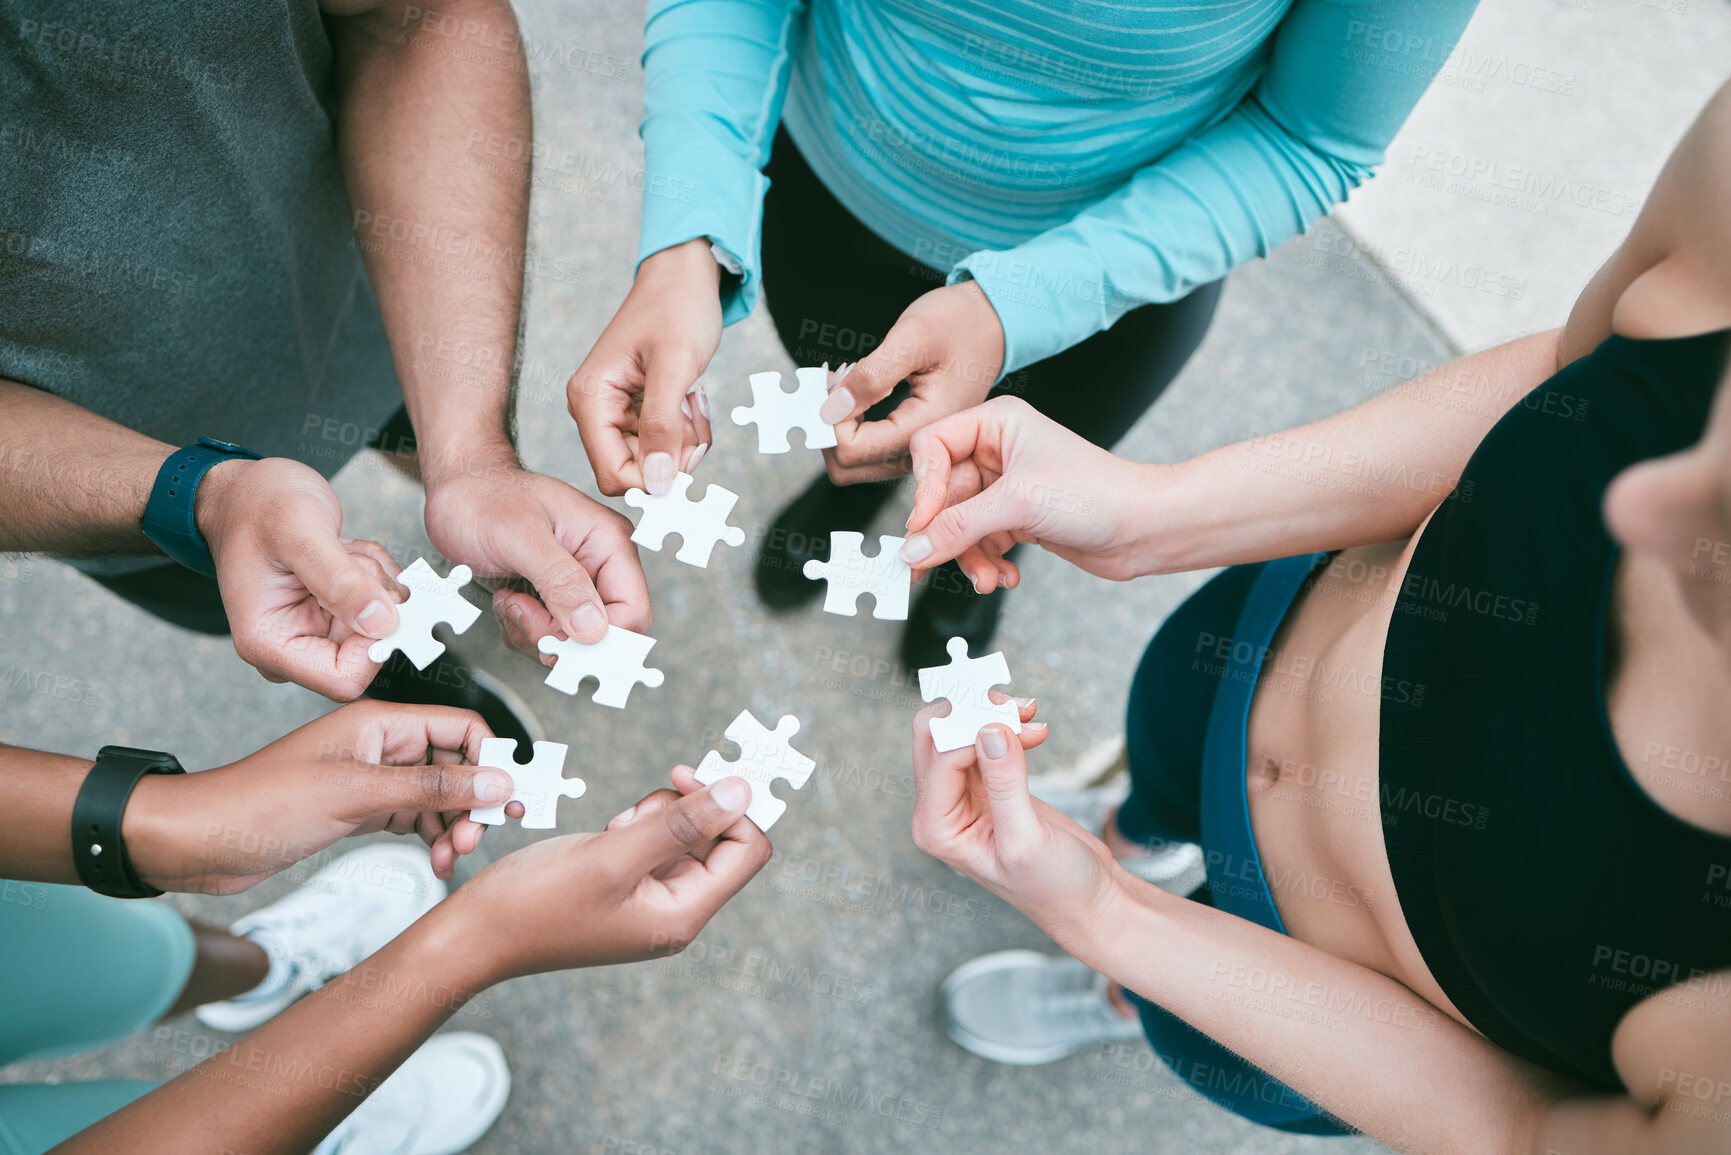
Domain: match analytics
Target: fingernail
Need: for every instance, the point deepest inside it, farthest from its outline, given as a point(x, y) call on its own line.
point(1023, 703)
point(844, 370)
point(993, 743)
point(375, 620)
point(658, 473)
point(916, 548)
point(685, 405)
point(624, 816)
point(703, 402)
point(1004, 581)
point(515, 613)
point(835, 407)
point(587, 618)
point(492, 787)
point(695, 456)
point(732, 794)
point(1033, 725)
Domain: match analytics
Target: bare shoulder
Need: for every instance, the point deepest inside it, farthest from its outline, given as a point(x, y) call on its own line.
point(1671, 277)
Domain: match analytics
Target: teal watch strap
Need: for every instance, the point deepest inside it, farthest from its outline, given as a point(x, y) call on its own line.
point(168, 515)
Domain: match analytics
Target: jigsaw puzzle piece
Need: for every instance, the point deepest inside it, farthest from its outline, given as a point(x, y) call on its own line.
point(764, 756)
point(776, 411)
point(967, 683)
point(539, 782)
point(699, 524)
point(432, 599)
point(850, 573)
point(615, 662)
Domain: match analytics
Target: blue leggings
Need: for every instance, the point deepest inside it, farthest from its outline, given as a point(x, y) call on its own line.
point(1188, 708)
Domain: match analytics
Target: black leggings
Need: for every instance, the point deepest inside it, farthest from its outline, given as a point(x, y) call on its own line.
point(842, 287)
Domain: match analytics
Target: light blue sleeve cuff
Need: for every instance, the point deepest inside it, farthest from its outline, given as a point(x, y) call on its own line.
point(1048, 296)
point(694, 186)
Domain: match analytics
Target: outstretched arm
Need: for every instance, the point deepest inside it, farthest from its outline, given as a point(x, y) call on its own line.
point(362, 768)
point(714, 75)
point(303, 602)
point(1000, 473)
point(641, 889)
point(1346, 1037)
point(430, 95)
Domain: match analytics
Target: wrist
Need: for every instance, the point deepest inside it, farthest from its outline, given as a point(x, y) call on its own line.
point(691, 263)
point(1120, 927)
point(155, 828)
point(213, 502)
point(446, 941)
point(417, 977)
point(1161, 504)
point(463, 457)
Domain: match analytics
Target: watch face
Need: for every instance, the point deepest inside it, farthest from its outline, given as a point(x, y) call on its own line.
point(225, 446)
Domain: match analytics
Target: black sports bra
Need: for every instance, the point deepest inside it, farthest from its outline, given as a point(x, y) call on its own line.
point(1546, 890)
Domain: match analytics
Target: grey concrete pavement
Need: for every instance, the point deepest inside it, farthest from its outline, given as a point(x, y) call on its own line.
point(825, 968)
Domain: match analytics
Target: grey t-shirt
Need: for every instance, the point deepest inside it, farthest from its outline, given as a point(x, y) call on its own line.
point(176, 251)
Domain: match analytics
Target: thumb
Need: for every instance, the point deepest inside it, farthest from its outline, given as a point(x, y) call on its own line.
point(354, 592)
point(565, 588)
point(870, 381)
point(994, 509)
point(661, 441)
point(685, 824)
point(372, 790)
point(1004, 773)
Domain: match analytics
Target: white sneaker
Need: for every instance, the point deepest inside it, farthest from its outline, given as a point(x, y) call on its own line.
point(439, 1102)
point(1025, 1008)
point(347, 910)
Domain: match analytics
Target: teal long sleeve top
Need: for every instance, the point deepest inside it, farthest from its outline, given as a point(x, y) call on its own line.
point(1077, 158)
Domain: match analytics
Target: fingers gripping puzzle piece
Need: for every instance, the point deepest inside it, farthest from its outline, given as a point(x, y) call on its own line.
point(776, 411)
point(432, 599)
point(966, 682)
point(850, 573)
point(615, 662)
point(699, 524)
point(540, 782)
point(764, 756)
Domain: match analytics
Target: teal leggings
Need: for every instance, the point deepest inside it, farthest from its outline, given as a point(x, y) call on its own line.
point(78, 970)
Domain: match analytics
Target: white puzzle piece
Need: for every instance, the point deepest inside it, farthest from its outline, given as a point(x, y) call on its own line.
point(965, 682)
point(764, 756)
point(615, 662)
point(776, 411)
point(540, 782)
point(699, 524)
point(850, 573)
point(432, 599)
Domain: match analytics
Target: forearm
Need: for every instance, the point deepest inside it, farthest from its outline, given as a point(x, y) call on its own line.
point(441, 229)
point(72, 483)
point(40, 788)
point(715, 73)
point(160, 826)
point(1369, 474)
point(286, 1085)
point(1340, 80)
point(1348, 1038)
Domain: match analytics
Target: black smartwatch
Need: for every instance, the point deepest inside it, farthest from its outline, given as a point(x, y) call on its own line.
point(97, 848)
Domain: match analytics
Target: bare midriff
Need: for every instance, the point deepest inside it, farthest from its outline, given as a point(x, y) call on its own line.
point(1311, 765)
